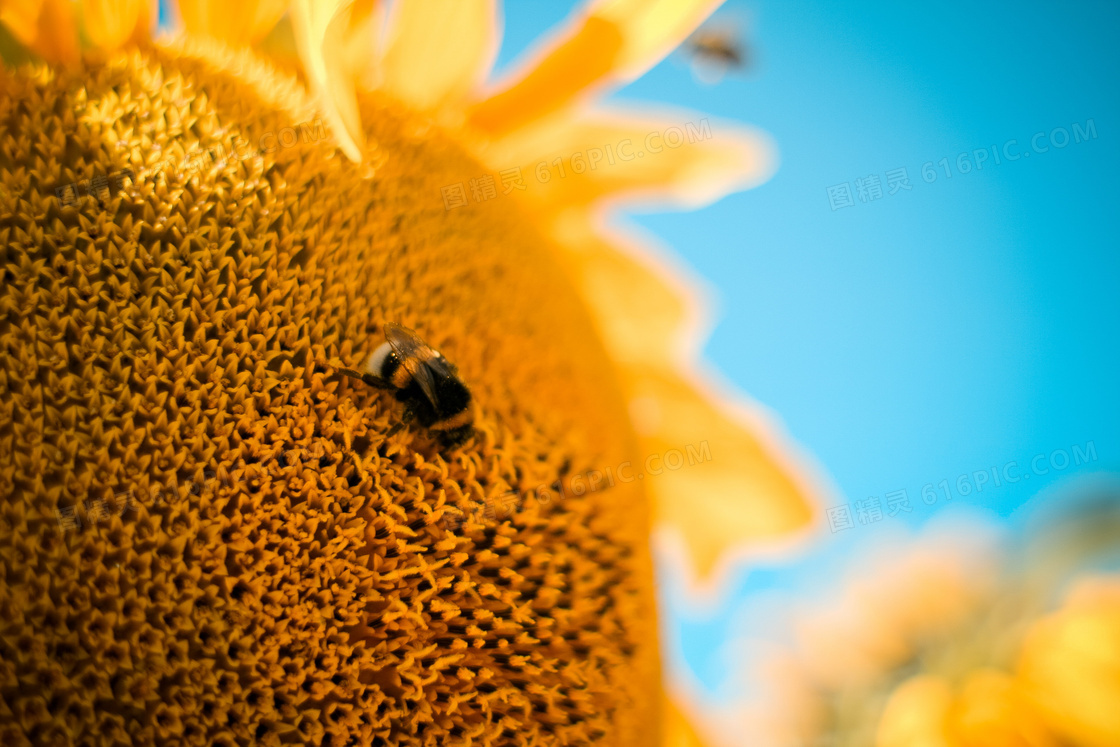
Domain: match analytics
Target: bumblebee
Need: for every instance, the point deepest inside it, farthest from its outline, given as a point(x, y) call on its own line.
point(426, 382)
point(715, 51)
point(718, 46)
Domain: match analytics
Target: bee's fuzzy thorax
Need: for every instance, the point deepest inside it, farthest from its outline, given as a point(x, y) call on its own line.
point(379, 359)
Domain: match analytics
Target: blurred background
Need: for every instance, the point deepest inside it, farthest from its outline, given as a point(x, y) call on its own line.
point(927, 294)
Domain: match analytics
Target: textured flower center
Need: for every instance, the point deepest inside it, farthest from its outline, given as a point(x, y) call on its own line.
point(203, 524)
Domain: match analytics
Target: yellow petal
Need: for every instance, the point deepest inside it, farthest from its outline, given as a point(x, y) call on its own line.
point(554, 82)
point(46, 27)
point(732, 479)
point(576, 158)
point(336, 41)
point(613, 41)
point(238, 23)
point(439, 50)
point(109, 24)
point(652, 28)
point(349, 46)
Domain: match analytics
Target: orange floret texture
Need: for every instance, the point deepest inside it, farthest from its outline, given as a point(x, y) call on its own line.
point(205, 536)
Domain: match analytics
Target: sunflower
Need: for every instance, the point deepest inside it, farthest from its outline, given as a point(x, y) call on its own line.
point(207, 535)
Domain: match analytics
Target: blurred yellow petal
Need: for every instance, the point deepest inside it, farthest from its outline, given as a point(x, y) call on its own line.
point(238, 23)
point(612, 41)
point(350, 43)
point(22, 17)
point(915, 714)
point(554, 82)
point(109, 24)
point(676, 730)
point(439, 50)
point(737, 482)
point(578, 158)
point(46, 27)
point(652, 28)
point(746, 494)
point(336, 41)
point(1071, 665)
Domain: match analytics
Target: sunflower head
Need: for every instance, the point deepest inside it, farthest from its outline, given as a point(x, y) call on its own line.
point(209, 527)
point(342, 582)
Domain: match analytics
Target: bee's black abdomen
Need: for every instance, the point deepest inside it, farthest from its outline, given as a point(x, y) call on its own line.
point(413, 396)
point(453, 395)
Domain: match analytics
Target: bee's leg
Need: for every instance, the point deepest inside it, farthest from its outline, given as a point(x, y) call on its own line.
point(349, 372)
point(407, 417)
point(368, 378)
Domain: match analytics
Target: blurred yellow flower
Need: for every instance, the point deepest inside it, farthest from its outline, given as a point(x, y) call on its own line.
point(1064, 692)
point(904, 594)
point(941, 638)
point(819, 667)
point(1070, 665)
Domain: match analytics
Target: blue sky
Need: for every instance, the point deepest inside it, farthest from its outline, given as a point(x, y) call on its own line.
point(959, 325)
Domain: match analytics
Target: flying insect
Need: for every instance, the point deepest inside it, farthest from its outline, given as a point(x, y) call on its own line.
point(716, 50)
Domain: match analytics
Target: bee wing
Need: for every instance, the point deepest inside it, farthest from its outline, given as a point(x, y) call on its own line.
point(424, 376)
point(411, 350)
point(404, 342)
